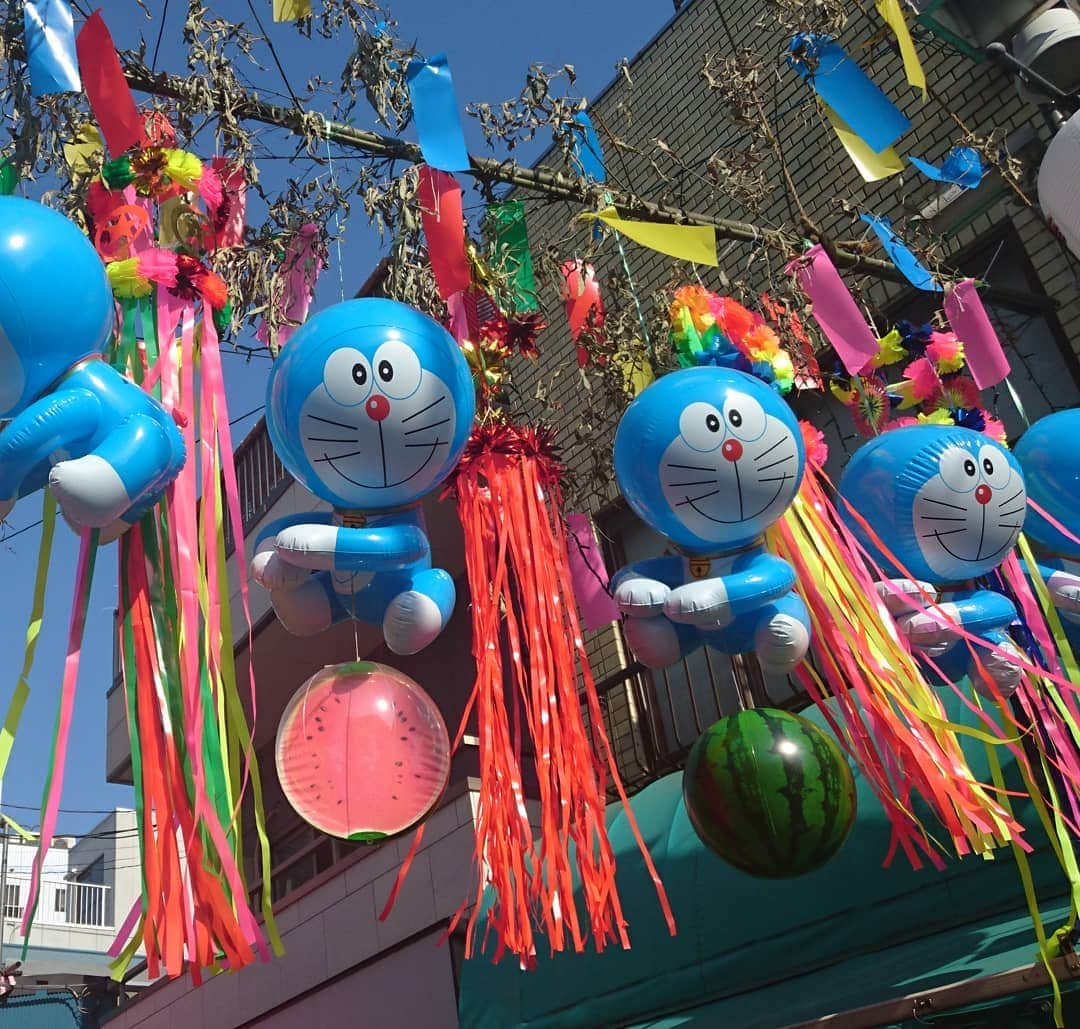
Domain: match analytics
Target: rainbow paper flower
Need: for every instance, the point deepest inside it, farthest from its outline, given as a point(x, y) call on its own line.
point(136, 276)
point(870, 409)
point(890, 350)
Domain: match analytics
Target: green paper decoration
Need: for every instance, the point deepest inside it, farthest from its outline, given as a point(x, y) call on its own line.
point(509, 247)
point(769, 793)
point(9, 178)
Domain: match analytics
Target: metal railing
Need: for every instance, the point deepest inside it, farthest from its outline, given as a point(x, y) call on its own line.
point(60, 902)
point(261, 479)
point(653, 717)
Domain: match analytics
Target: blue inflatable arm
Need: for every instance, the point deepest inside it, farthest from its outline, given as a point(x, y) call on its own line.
point(756, 579)
point(978, 611)
point(51, 424)
point(1063, 584)
point(334, 548)
point(640, 589)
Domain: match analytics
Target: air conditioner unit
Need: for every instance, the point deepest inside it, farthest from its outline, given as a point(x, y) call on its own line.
point(1059, 184)
point(1049, 45)
point(972, 25)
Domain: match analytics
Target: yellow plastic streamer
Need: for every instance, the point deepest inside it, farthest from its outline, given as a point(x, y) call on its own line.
point(695, 243)
point(291, 10)
point(893, 16)
point(871, 166)
point(33, 630)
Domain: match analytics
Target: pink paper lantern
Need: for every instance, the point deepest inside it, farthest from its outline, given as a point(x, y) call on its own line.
point(362, 752)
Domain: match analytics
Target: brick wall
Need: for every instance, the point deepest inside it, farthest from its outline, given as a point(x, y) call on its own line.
point(667, 98)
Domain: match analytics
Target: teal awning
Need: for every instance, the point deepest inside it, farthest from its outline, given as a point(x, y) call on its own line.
point(745, 941)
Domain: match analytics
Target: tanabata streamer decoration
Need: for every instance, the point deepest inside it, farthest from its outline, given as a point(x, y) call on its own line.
point(1048, 454)
point(508, 245)
point(834, 309)
point(587, 156)
point(9, 178)
point(106, 88)
point(893, 15)
point(369, 407)
point(298, 274)
point(584, 307)
point(362, 752)
point(696, 243)
point(138, 413)
point(711, 329)
point(769, 793)
point(919, 375)
point(841, 84)
point(962, 166)
point(49, 32)
point(291, 10)
point(439, 196)
point(709, 458)
point(969, 320)
point(122, 449)
point(906, 262)
point(589, 575)
point(435, 111)
point(950, 503)
point(872, 166)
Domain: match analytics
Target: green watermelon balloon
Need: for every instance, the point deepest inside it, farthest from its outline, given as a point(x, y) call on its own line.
point(770, 793)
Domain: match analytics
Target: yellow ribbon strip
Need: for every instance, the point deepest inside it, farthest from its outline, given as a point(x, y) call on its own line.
point(871, 166)
point(291, 10)
point(33, 630)
point(695, 243)
point(893, 16)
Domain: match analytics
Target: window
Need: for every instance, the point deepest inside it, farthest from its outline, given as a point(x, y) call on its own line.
point(12, 902)
point(60, 900)
point(1045, 371)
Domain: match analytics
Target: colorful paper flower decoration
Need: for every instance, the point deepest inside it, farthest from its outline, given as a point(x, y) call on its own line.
point(711, 329)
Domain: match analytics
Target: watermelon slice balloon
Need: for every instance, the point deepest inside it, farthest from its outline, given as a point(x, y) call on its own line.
point(770, 793)
point(362, 752)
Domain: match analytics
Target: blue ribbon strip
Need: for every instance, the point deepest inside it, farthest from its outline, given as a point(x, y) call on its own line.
point(435, 111)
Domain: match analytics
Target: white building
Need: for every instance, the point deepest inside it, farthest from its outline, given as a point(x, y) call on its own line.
point(88, 885)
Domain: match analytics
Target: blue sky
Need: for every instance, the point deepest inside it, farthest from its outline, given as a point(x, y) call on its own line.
point(490, 47)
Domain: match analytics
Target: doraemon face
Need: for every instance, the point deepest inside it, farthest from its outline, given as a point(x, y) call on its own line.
point(48, 321)
point(1050, 458)
point(709, 457)
point(949, 502)
point(370, 404)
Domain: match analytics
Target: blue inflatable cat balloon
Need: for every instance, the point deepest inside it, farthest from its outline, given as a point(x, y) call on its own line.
point(710, 457)
point(369, 406)
point(107, 449)
point(949, 503)
point(1050, 457)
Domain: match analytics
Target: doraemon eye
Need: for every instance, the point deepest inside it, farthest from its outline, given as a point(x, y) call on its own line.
point(702, 427)
point(959, 469)
point(347, 377)
point(995, 470)
point(397, 369)
point(744, 416)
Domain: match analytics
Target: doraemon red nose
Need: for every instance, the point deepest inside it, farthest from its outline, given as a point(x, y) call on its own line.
point(732, 450)
point(983, 493)
point(378, 407)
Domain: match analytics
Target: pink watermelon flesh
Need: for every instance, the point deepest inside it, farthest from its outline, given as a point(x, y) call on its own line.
point(362, 752)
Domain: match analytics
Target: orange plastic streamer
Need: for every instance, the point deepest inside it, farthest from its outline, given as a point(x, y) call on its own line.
point(533, 675)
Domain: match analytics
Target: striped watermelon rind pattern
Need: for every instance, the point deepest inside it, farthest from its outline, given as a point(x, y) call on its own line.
point(769, 793)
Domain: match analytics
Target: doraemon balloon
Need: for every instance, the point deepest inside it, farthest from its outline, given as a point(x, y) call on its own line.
point(949, 503)
point(710, 457)
point(369, 406)
point(1050, 458)
point(106, 448)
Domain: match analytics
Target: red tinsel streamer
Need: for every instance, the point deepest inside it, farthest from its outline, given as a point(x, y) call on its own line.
point(531, 658)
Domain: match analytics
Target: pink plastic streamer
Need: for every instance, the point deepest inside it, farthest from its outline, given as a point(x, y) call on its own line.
point(126, 929)
point(588, 575)
point(63, 722)
point(834, 309)
point(228, 229)
point(303, 263)
point(982, 349)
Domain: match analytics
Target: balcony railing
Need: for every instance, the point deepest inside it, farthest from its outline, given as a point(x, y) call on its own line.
point(260, 478)
point(60, 902)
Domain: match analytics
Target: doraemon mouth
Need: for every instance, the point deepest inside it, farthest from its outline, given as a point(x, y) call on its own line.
point(378, 424)
point(728, 468)
point(970, 513)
